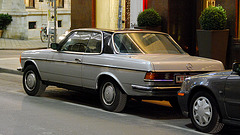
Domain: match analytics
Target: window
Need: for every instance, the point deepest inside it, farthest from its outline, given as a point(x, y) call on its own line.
point(59, 3)
point(94, 44)
point(77, 42)
point(88, 42)
point(207, 3)
point(29, 3)
point(148, 43)
point(60, 23)
point(32, 25)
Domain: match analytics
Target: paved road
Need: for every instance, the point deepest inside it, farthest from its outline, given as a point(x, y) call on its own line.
point(62, 112)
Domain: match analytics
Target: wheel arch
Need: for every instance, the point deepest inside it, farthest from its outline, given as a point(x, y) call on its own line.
point(31, 62)
point(107, 75)
point(204, 89)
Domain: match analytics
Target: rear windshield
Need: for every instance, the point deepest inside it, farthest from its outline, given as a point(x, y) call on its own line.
point(148, 43)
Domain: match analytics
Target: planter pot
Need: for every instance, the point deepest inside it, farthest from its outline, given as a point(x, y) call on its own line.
point(213, 44)
point(1, 32)
point(156, 28)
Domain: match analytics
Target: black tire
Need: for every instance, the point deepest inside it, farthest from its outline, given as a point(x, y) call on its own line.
point(204, 113)
point(43, 36)
point(111, 96)
point(32, 83)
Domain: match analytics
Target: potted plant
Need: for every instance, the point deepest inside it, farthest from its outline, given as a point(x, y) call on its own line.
point(5, 19)
point(213, 35)
point(149, 19)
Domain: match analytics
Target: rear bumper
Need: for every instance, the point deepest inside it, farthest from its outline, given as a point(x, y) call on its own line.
point(156, 91)
point(20, 69)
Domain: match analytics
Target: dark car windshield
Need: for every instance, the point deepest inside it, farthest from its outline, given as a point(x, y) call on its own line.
point(148, 43)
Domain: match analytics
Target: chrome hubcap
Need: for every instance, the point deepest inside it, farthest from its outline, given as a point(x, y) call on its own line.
point(202, 111)
point(30, 81)
point(108, 94)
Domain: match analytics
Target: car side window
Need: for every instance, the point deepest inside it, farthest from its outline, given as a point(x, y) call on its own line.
point(108, 48)
point(77, 42)
point(95, 43)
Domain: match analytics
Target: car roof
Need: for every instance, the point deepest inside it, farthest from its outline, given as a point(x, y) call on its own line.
point(119, 30)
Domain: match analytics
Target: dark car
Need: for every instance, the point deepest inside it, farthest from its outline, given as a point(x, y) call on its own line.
point(212, 100)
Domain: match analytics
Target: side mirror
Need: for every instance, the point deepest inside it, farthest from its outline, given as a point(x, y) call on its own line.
point(54, 46)
point(236, 67)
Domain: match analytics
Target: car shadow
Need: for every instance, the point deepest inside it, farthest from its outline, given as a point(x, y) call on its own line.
point(143, 108)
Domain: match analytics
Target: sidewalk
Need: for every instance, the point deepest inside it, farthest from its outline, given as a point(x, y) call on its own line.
point(11, 63)
point(13, 44)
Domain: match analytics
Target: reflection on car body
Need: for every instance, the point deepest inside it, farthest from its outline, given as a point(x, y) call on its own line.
point(117, 64)
point(212, 100)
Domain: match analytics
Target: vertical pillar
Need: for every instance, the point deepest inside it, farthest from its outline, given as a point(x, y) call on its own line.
point(145, 4)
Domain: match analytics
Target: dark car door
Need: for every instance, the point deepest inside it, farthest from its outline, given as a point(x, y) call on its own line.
point(232, 96)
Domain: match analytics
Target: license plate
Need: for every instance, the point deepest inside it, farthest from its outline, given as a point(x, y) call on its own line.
point(181, 78)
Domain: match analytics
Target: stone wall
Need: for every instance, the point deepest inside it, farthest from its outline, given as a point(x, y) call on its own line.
point(19, 27)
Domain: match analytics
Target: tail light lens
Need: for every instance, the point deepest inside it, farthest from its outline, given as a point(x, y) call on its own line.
point(20, 59)
point(156, 76)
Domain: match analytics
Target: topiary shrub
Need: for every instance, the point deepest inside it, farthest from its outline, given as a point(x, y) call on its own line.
point(5, 19)
point(149, 17)
point(213, 18)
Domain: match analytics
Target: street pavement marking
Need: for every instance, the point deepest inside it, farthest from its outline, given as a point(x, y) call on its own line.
point(185, 129)
point(97, 109)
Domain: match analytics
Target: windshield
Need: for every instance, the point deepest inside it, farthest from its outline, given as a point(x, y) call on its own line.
point(148, 43)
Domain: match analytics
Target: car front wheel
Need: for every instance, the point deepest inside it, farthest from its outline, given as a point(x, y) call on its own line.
point(111, 96)
point(32, 83)
point(204, 113)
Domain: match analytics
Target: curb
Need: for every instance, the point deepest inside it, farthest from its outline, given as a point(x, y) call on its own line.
point(10, 71)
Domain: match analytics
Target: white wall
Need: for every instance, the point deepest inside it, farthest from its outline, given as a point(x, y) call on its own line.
point(136, 6)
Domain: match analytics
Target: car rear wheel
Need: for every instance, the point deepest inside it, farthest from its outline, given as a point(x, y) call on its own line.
point(111, 96)
point(32, 83)
point(204, 113)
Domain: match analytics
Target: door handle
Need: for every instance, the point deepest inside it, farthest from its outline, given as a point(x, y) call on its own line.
point(78, 60)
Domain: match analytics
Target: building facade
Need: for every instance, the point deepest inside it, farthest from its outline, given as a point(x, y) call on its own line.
point(30, 15)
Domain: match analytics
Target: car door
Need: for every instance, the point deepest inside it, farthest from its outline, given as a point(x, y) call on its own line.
point(92, 60)
point(66, 63)
point(232, 96)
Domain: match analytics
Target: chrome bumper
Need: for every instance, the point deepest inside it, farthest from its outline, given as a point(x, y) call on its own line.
point(148, 88)
point(20, 69)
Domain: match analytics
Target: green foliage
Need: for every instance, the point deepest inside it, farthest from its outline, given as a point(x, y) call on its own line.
point(213, 18)
point(5, 20)
point(149, 17)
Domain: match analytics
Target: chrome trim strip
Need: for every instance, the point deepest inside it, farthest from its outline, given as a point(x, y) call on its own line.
point(20, 69)
point(148, 80)
point(91, 64)
point(152, 88)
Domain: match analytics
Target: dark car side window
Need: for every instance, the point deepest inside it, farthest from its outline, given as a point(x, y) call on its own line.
point(77, 42)
point(108, 47)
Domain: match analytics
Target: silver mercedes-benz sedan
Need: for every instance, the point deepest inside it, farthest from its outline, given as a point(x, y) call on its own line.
point(116, 63)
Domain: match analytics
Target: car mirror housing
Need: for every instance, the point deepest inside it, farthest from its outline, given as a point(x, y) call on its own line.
point(236, 67)
point(54, 46)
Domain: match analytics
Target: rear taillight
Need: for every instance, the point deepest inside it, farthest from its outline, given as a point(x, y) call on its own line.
point(156, 76)
point(20, 59)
